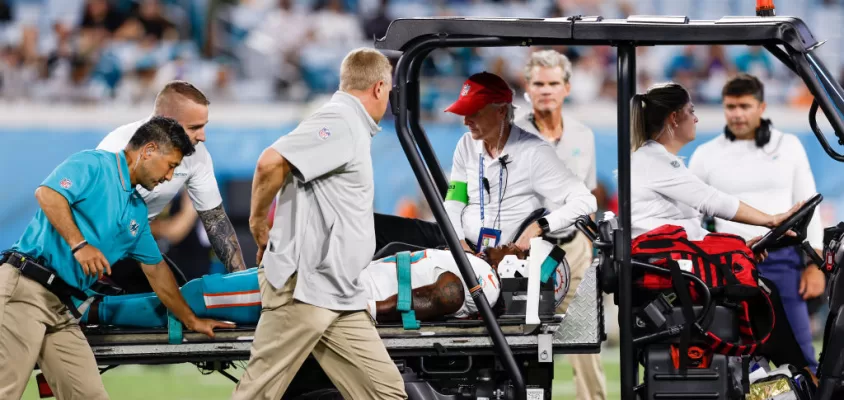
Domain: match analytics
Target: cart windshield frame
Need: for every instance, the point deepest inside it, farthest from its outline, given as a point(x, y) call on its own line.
point(787, 38)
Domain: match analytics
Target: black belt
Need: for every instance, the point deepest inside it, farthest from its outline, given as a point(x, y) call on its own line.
point(47, 278)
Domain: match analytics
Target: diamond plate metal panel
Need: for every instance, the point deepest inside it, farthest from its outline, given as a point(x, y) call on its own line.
point(583, 322)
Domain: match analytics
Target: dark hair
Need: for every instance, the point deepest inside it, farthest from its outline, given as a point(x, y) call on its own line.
point(165, 132)
point(648, 111)
point(743, 85)
point(185, 89)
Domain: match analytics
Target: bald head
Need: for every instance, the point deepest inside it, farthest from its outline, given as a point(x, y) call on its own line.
point(187, 104)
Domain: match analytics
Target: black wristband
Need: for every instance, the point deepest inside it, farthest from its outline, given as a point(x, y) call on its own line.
point(543, 224)
point(79, 246)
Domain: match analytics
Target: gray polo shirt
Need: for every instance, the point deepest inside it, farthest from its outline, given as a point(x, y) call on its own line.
point(323, 226)
point(576, 148)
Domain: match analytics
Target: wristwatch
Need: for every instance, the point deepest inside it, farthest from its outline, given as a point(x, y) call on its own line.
point(543, 224)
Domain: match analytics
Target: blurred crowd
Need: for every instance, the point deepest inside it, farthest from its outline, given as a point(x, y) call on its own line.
point(121, 51)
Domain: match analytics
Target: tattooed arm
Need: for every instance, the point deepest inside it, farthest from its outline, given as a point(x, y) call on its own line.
point(223, 238)
point(429, 302)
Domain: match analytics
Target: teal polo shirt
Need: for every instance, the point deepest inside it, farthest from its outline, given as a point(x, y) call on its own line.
point(107, 209)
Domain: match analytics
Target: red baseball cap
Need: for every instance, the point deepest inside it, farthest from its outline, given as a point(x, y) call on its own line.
point(478, 91)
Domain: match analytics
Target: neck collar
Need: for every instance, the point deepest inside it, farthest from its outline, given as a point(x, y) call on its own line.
point(511, 138)
point(123, 171)
point(354, 102)
point(532, 119)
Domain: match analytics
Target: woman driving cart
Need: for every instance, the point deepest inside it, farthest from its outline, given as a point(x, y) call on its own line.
point(663, 190)
point(666, 196)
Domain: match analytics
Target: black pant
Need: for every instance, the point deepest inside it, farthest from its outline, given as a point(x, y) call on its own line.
point(127, 275)
point(390, 228)
point(782, 347)
point(415, 232)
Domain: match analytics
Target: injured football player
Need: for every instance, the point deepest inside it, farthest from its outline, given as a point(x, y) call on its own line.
point(437, 290)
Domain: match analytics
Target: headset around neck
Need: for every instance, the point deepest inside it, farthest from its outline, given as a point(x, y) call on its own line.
point(762, 136)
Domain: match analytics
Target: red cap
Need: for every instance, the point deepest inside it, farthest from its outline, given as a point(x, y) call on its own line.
point(478, 91)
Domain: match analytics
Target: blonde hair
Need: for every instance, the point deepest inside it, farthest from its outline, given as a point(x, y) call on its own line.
point(649, 111)
point(364, 67)
point(548, 59)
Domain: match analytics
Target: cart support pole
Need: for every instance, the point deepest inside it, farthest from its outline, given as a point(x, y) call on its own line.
point(424, 145)
point(626, 89)
point(406, 76)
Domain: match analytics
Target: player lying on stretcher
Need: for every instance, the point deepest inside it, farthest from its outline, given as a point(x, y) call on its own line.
point(438, 292)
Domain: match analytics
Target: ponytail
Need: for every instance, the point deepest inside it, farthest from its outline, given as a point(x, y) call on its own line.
point(649, 111)
point(638, 133)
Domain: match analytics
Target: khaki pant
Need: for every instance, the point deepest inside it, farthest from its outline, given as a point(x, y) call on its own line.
point(588, 371)
point(346, 345)
point(36, 327)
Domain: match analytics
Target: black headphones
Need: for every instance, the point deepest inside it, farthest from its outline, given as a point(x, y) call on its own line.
point(763, 133)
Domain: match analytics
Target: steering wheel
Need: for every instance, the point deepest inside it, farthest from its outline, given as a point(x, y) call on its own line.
point(797, 222)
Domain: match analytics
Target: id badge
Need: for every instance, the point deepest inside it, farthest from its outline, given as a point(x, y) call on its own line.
point(488, 238)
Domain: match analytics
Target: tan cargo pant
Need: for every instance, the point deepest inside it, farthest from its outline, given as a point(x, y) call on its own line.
point(589, 376)
point(36, 327)
point(346, 345)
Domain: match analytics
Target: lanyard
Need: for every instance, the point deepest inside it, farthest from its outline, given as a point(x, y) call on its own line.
point(481, 189)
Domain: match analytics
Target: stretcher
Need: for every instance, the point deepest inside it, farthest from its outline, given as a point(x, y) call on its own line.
point(579, 330)
point(533, 336)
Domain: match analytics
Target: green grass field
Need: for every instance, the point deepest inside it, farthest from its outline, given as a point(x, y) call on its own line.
point(185, 382)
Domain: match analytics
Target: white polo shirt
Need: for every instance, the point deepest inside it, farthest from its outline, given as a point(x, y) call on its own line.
point(380, 278)
point(534, 177)
point(663, 191)
point(196, 172)
point(773, 178)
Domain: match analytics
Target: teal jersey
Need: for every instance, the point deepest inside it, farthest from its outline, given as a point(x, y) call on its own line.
point(105, 206)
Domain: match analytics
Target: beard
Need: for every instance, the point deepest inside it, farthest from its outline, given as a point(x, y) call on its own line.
point(148, 186)
point(144, 178)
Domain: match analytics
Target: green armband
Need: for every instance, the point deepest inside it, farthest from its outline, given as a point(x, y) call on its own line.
point(457, 191)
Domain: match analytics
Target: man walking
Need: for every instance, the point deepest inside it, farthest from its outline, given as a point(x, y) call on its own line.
point(321, 239)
